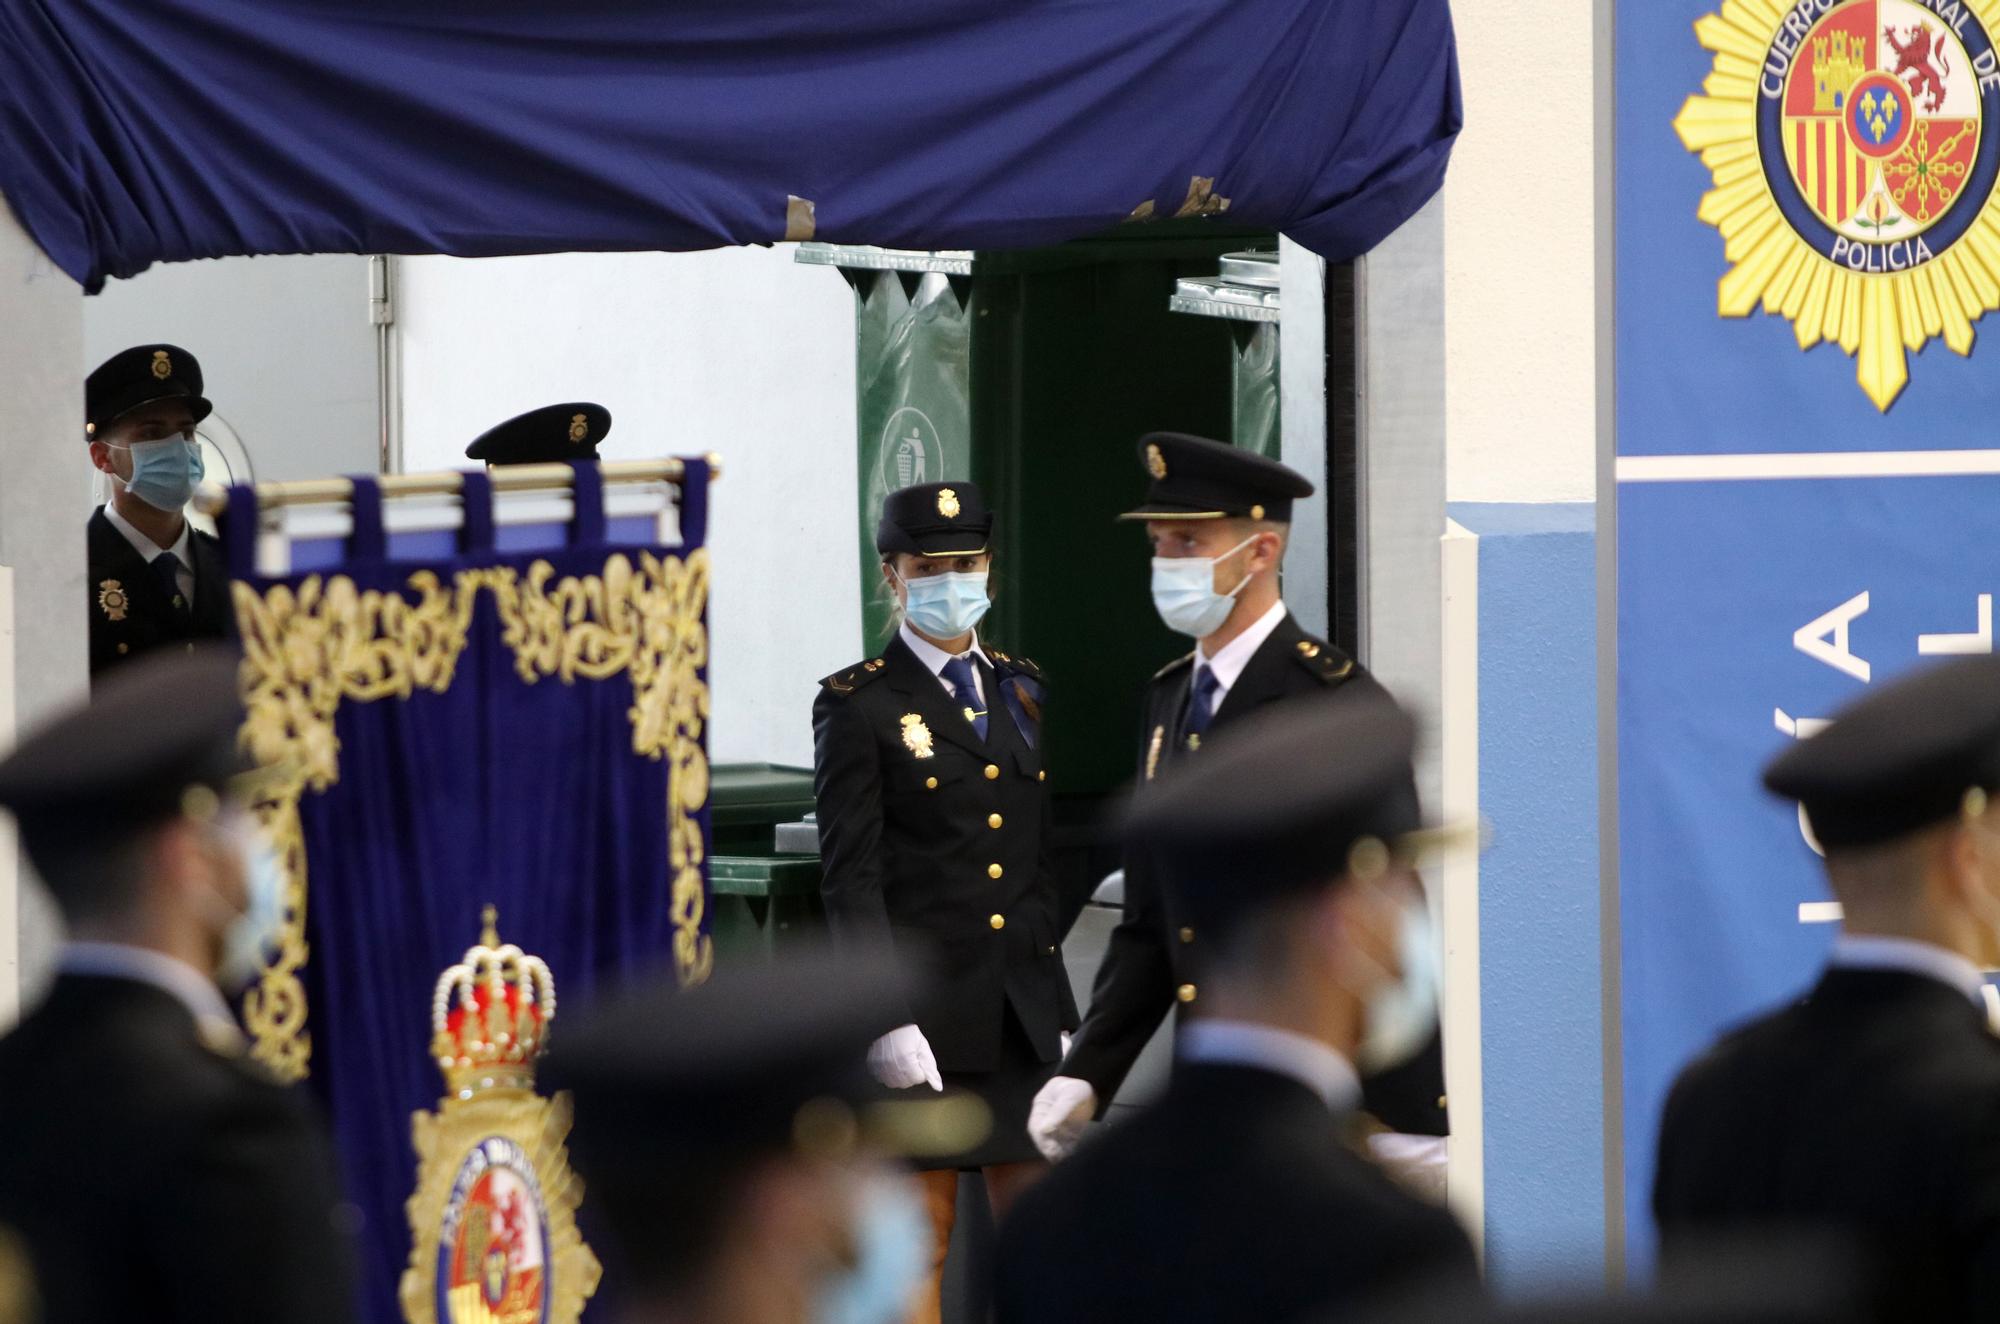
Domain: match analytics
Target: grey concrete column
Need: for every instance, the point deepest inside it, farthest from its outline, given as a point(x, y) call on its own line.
point(42, 487)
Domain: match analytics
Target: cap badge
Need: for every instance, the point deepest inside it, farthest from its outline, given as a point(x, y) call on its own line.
point(579, 427)
point(948, 503)
point(1156, 463)
point(916, 736)
point(111, 600)
point(163, 367)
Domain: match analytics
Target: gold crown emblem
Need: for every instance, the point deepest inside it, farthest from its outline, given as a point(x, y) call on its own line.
point(948, 503)
point(1156, 463)
point(163, 367)
point(579, 427)
point(490, 1015)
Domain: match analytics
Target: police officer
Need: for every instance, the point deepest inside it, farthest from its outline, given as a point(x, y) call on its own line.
point(154, 579)
point(1234, 1197)
point(150, 1168)
point(549, 435)
point(1218, 518)
point(735, 1150)
point(934, 821)
point(1868, 1114)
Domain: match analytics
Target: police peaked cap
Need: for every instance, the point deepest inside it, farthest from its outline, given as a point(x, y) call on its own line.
point(1917, 752)
point(1195, 478)
point(139, 376)
point(935, 519)
point(549, 435)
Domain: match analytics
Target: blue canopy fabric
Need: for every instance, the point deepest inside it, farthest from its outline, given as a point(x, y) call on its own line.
point(142, 131)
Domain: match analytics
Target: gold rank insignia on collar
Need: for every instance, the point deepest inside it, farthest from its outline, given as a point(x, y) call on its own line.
point(111, 600)
point(916, 735)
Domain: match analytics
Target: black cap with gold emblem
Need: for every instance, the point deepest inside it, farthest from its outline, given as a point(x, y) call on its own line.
point(155, 728)
point(1271, 811)
point(548, 435)
point(1195, 478)
point(139, 376)
point(934, 519)
point(1916, 752)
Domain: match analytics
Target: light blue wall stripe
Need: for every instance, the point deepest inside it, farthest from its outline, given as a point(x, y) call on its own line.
point(1539, 940)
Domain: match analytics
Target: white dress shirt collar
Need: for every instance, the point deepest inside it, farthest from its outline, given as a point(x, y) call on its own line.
point(1317, 1066)
point(188, 986)
point(147, 549)
point(1858, 951)
point(1232, 657)
point(934, 657)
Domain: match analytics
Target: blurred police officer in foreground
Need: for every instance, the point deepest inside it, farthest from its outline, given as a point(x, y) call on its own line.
point(154, 580)
point(934, 824)
point(734, 1149)
point(549, 435)
point(152, 1170)
point(1219, 519)
point(1869, 1112)
point(1233, 1197)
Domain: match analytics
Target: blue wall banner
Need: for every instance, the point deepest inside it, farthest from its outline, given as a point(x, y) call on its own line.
point(1805, 497)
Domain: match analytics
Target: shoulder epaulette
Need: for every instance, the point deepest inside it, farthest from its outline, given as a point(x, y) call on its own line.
point(1324, 661)
point(1173, 666)
point(850, 679)
point(1014, 664)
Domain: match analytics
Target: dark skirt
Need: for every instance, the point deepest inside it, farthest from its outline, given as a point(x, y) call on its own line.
point(1009, 1090)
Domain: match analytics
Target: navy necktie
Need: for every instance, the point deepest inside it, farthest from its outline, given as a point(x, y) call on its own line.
point(1201, 704)
point(167, 567)
point(958, 672)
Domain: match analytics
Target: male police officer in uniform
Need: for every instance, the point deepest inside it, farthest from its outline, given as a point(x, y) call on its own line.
point(152, 1170)
point(154, 580)
point(733, 1146)
point(1234, 1197)
point(1868, 1114)
point(549, 435)
point(1218, 518)
point(934, 824)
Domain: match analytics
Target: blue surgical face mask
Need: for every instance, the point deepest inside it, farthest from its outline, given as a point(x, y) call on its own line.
point(945, 606)
point(164, 473)
point(892, 1239)
point(1184, 591)
point(1402, 1015)
point(251, 933)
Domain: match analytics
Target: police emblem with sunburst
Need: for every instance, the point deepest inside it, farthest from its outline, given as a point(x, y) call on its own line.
point(1854, 177)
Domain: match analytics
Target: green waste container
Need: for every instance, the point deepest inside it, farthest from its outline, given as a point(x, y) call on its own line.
point(1034, 373)
point(759, 896)
point(1244, 294)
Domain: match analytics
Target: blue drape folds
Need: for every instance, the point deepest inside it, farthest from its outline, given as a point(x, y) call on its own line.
point(458, 782)
point(141, 131)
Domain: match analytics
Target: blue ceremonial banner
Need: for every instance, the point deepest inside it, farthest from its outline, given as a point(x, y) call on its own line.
point(454, 727)
point(1807, 243)
point(142, 131)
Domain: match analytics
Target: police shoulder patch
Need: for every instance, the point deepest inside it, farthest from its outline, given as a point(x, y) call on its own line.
point(1173, 666)
point(849, 679)
point(1326, 663)
point(1014, 664)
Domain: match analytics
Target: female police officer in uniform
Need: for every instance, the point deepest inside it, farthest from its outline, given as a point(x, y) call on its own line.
point(933, 821)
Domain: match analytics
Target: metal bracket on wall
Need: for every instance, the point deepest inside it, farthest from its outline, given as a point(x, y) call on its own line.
point(388, 362)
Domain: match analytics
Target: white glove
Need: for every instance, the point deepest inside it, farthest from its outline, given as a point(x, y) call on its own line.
point(1061, 1110)
point(903, 1058)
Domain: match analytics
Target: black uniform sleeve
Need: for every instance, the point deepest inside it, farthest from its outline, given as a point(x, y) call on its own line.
point(253, 1235)
point(847, 784)
point(1133, 992)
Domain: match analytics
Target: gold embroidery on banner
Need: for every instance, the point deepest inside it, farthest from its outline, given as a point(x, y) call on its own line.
point(1202, 199)
point(308, 650)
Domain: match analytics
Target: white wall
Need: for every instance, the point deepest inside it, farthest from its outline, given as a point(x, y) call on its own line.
point(737, 351)
point(1520, 292)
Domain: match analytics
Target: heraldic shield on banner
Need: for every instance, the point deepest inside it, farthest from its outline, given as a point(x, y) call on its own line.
point(493, 1219)
point(1854, 147)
